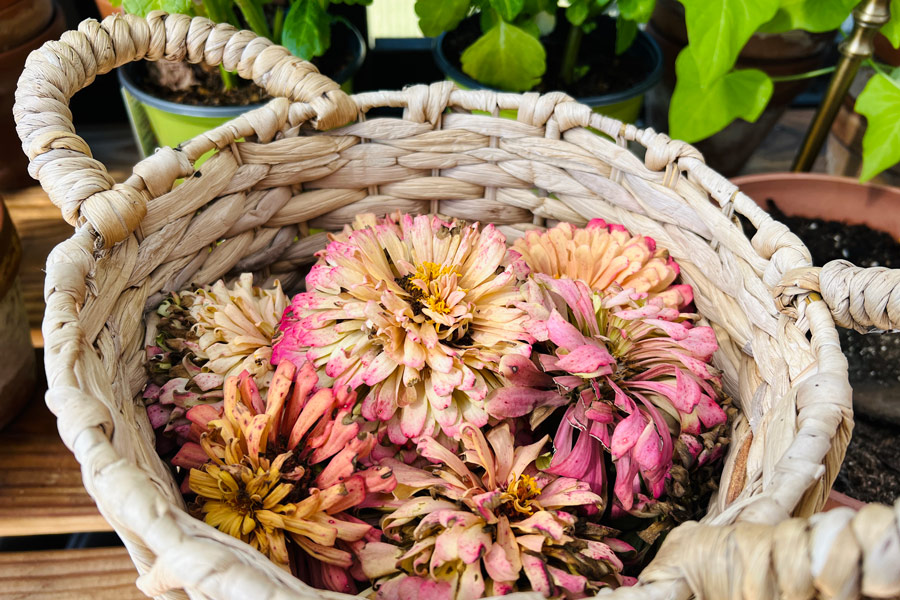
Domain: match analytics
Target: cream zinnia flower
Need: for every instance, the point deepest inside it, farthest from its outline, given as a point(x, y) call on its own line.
point(490, 523)
point(420, 310)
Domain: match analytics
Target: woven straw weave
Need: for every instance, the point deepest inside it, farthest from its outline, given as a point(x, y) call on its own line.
point(311, 159)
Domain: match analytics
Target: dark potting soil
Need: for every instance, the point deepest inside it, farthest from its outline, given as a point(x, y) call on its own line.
point(201, 85)
point(871, 469)
point(607, 72)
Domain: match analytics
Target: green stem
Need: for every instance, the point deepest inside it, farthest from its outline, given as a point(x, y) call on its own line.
point(227, 78)
point(879, 68)
point(278, 25)
point(807, 75)
point(570, 56)
point(255, 18)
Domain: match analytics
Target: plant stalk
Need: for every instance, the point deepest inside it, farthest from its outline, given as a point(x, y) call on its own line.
point(570, 55)
point(227, 78)
point(255, 18)
point(278, 25)
point(807, 75)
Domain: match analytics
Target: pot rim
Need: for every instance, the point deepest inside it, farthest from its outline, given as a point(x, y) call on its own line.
point(57, 16)
point(752, 178)
point(356, 43)
point(642, 41)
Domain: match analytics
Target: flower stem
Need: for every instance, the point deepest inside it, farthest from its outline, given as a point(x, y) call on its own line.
point(807, 75)
point(278, 25)
point(570, 56)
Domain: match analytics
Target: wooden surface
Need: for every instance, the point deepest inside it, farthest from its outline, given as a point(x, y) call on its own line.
point(95, 573)
point(40, 480)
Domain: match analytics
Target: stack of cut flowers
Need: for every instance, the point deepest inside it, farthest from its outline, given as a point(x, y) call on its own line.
point(440, 415)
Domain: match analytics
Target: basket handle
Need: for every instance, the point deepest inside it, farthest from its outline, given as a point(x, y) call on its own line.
point(864, 299)
point(81, 186)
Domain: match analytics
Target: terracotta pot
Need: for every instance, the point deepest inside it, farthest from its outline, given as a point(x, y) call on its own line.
point(17, 369)
point(21, 20)
point(13, 162)
point(885, 52)
point(819, 196)
point(105, 8)
point(784, 54)
point(839, 500)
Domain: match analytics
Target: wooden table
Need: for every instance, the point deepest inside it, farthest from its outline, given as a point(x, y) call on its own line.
point(40, 481)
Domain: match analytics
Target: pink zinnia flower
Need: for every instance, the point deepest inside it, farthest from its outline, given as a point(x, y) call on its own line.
point(634, 376)
point(282, 472)
point(490, 523)
point(416, 309)
point(602, 254)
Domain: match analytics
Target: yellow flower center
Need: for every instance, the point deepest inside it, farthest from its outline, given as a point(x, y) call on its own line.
point(520, 494)
point(431, 284)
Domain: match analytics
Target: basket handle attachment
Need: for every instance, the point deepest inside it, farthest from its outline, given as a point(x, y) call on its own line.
point(80, 185)
point(864, 299)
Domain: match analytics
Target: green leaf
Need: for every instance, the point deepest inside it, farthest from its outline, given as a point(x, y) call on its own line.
point(891, 29)
point(140, 8)
point(577, 12)
point(508, 9)
point(437, 16)
point(307, 29)
point(809, 15)
point(626, 31)
point(697, 112)
point(352, 2)
point(183, 7)
point(879, 103)
point(718, 29)
point(487, 19)
point(506, 58)
point(636, 10)
point(530, 27)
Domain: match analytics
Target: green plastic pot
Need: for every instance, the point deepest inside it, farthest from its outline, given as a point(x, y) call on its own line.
point(156, 122)
point(624, 105)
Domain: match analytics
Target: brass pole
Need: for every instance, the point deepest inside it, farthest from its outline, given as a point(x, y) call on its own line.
point(868, 17)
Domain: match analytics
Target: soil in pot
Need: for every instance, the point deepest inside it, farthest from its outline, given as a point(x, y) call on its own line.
point(201, 85)
point(607, 74)
point(871, 469)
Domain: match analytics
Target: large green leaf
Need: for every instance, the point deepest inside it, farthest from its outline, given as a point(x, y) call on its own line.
point(508, 9)
point(307, 29)
point(718, 29)
point(636, 10)
point(505, 57)
point(698, 112)
point(809, 15)
point(140, 8)
point(879, 102)
point(184, 7)
point(438, 16)
point(892, 29)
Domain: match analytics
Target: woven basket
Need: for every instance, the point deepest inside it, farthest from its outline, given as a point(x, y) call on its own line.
point(311, 159)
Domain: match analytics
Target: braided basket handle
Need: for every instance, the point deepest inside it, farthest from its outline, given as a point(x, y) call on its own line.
point(864, 299)
point(81, 186)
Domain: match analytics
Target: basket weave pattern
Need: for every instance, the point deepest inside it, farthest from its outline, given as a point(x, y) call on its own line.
point(300, 167)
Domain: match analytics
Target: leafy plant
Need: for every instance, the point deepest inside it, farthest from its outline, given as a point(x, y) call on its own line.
point(509, 54)
point(710, 93)
point(302, 26)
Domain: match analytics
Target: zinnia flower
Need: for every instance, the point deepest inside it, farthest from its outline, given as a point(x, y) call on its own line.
point(489, 523)
point(635, 378)
point(420, 310)
point(602, 254)
point(282, 472)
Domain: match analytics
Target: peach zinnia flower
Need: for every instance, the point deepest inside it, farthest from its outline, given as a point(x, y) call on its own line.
point(418, 309)
point(601, 254)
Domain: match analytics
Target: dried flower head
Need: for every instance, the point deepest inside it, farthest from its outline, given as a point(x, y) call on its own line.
point(635, 378)
point(602, 254)
point(281, 472)
point(419, 310)
point(489, 523)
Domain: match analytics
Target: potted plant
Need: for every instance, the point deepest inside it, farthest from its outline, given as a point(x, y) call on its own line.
point(712, 90)
point(520, 45)
point(171, 102)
